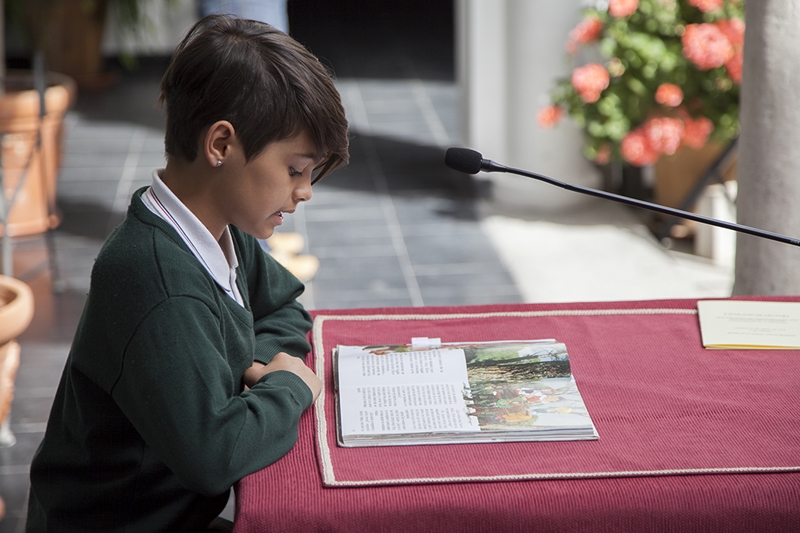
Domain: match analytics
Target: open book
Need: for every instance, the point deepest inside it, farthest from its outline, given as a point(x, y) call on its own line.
point(456, 393)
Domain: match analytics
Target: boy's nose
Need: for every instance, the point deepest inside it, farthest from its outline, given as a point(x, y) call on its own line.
point(303, 191)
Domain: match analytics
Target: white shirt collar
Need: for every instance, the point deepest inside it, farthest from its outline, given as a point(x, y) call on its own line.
point(218, 258)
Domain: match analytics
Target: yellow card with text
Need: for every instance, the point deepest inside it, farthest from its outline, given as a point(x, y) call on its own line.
point(749, 324)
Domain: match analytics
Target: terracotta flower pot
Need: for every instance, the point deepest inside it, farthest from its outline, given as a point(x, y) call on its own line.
point(677, 174)
point(33, 208)
point(16, 313)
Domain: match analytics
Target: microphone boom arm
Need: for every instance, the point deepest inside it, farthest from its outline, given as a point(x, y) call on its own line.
point(488, 165)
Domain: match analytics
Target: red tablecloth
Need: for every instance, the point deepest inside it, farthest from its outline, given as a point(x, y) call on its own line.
point(690, 439)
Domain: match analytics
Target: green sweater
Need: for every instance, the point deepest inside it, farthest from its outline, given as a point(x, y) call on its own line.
point(151, 425)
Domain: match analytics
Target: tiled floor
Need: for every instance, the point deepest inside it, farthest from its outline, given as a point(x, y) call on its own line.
point(394, 228)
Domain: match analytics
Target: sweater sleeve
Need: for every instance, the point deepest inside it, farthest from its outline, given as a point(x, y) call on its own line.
point(178, 390)
point(280, 322)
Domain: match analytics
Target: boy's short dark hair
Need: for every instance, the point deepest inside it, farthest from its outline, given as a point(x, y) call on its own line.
point(260, 80)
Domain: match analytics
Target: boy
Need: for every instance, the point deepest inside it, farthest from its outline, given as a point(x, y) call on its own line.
point(186, 370)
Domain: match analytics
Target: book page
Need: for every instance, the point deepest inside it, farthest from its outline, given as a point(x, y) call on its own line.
point(389, 390)
point(745, 324)
point(382, 365)
point(401, 409)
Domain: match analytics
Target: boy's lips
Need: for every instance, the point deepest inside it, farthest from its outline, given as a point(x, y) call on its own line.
point(279, 215)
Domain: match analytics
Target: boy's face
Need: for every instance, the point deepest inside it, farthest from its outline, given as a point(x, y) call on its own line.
point(259, 193)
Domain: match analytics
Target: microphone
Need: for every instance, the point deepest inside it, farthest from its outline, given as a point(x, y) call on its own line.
point(472, 162)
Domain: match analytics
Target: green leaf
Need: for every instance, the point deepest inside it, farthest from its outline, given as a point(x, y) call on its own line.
point(636, 86)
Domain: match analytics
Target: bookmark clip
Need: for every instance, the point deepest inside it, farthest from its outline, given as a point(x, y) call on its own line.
point(425, 343)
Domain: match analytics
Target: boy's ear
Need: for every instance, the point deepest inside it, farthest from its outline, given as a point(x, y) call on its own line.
point(218, 143)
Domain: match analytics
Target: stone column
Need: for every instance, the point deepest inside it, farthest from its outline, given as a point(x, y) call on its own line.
point(481, 75)
point(509, 54)
point(768, 171)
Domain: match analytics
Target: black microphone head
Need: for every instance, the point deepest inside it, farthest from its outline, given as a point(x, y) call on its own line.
point(463, 160)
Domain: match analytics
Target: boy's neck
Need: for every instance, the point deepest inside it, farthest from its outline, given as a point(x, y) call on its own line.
point(193, 184)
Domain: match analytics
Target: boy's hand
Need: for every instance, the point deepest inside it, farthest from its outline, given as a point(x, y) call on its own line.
point(284, 361)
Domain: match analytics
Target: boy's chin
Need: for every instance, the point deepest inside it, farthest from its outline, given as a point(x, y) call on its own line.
point(264, 234)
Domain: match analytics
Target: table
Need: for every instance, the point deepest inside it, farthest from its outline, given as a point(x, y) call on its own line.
point(690, 439)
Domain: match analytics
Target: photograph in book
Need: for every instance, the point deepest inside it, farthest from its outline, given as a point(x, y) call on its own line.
point(458, 392)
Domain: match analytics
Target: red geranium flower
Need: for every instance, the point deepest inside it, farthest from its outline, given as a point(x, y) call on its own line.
point(733, 29)
point(734, 67)
point(664, 134)
point(696, 131)
point(706, 5)
point(549, 116)
point(622, 8)
point(669, 94)
point(590, 80)
point(587, 31)
point(706, 46)
point(603, 155)
point(637, 150)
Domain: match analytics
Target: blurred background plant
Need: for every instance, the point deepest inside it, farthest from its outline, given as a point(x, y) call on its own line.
point(653, 75)
point(70, 33)
point(130, 15)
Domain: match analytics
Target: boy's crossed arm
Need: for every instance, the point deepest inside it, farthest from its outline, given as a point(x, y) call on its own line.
point(284, 361)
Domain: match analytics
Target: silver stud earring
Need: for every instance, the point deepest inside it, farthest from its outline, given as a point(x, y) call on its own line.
point(219, 162)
